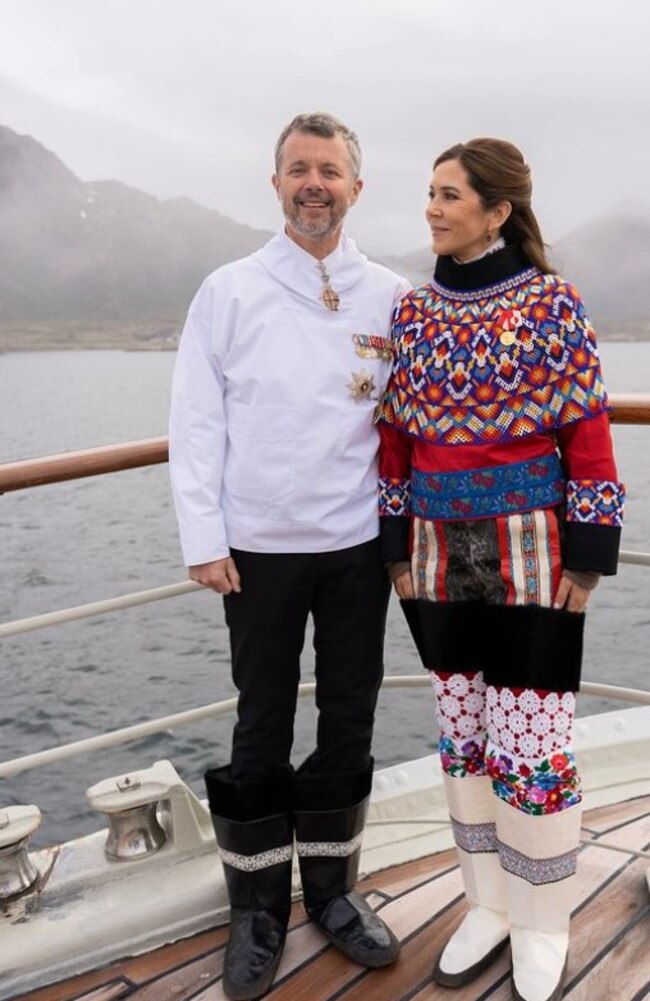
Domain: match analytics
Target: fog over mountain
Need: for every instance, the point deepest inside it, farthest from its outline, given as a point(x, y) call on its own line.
point(100, 254)
point(101, 264)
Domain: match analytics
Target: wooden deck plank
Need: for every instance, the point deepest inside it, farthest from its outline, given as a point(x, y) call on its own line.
point(398, 879)
point(108, 992)
point(181, 982)
point(604, 818)
point(610, 931)
point(137, 968)
point(409, 912)
point(600, 932)
point(146, 967)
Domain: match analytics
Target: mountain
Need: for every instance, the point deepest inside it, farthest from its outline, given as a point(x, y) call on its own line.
point(100, 255)
point(102, 264)
point(606, 258)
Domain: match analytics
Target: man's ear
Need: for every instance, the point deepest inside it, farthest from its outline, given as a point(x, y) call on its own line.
point(356, 191)
point(275, 181)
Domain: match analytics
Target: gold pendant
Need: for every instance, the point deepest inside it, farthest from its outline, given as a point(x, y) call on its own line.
point(330, 298)
point(507, 338)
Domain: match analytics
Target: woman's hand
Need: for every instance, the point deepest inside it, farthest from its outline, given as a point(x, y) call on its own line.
point(403, 585)
point(571, 596)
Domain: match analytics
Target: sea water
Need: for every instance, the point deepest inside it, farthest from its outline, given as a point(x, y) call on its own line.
point(72, 543)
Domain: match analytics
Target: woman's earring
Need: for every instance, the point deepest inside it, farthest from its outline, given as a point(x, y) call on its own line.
point(488, 237)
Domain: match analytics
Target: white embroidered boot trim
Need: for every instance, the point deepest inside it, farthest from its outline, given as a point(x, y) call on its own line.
point(484, 930)
point(538, 855)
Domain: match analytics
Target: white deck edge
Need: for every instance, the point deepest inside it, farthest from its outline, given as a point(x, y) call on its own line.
point(108, 906)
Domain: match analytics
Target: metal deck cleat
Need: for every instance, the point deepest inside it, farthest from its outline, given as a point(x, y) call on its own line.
point(17, 871)
point(146, 809)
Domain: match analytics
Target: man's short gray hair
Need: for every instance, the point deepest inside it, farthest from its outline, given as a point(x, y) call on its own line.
point(327, 126)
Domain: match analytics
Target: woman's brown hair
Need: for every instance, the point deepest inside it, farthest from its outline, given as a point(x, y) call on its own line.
point(498, 172)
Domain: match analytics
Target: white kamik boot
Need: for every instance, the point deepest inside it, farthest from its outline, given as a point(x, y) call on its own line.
point(538, 856)
point(484, 931)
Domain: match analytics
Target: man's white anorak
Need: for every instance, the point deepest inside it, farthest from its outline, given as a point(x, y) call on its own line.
point(272, 442)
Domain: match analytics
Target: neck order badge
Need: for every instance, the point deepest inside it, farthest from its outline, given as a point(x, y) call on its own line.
point(328, 296)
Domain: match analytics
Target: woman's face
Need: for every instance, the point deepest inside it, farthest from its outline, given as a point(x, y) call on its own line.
point(459, 222)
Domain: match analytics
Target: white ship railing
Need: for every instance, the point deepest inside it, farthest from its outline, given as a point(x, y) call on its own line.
point(629, 409)
point(158, 594)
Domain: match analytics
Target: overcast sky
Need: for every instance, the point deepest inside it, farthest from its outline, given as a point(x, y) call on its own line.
point(186, 97)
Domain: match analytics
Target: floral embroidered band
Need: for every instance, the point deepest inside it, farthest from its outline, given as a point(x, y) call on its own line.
point(487, 493)
point(546, 785)
point(460, 758)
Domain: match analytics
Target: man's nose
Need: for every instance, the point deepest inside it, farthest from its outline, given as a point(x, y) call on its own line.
point(313, 179)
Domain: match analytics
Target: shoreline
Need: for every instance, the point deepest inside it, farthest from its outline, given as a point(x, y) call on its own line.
point(166, 338)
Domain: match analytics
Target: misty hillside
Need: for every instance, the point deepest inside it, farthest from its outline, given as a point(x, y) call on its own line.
point(100, 251)
point(608, 259)
point(101, 256)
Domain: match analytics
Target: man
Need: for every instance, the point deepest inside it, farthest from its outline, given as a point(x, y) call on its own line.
point(280, 368)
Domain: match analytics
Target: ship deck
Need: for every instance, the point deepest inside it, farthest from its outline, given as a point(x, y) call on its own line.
point(423, 902)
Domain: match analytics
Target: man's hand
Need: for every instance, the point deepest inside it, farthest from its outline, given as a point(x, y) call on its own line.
point(221, 575)
point(404, 585)
point(571, 597)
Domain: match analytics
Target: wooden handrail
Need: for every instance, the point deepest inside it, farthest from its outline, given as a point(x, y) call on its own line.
point(628, 408)
point(76, 465)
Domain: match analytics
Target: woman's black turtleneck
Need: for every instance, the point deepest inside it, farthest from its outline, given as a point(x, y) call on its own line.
point(488, 270)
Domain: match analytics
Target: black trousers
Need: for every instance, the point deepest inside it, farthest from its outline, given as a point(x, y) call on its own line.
point(347, 593)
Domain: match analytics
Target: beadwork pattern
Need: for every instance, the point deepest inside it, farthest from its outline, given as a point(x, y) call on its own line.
point(475, 837)
point(329, 849)
point(538, 871)
point(394, 496)
point(456, 381)
point(253, 863)
point(595, 502)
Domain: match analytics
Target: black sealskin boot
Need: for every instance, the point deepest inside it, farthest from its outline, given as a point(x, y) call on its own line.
point(256, 853)
point(328, 841)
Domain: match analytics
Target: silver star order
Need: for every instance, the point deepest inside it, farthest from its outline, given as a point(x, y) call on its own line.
point(362, 385)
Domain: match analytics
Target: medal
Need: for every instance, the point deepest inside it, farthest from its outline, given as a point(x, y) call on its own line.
point(507, 338)
point(329, 297)
point(373, 346)
point(362, 386)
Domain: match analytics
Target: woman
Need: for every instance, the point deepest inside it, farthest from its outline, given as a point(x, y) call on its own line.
point(501, 507)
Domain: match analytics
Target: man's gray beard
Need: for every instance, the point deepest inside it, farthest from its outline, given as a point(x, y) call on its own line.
point(314, 230)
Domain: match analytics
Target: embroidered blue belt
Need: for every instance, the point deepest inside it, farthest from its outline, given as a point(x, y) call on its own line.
point(487, 493)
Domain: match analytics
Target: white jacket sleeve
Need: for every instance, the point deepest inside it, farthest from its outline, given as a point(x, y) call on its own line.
point(197, 438)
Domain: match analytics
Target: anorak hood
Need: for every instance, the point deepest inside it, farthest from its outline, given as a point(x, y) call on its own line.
point(298, 270)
